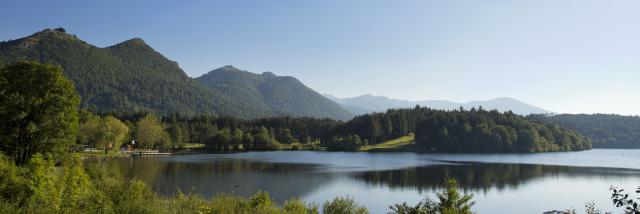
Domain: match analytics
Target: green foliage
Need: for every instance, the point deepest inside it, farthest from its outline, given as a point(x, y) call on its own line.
point(106, 133)
point(450, 201)
point(49, 188)
point(435, 131)
point(476, 130)
point(38, 110)
point(343, 205)
point(89, 131)
point(14, 185)
point(260, 200)
point(264, 141)
point(280, 96)
point(604, 130)
point(113, 133)
point(43, 183)
point(403, 143)
point(150, 133)
point(348, 143)
point(77, 191)
point(42, 187)
point(136, 198)
point(492, 131)
point(298, 206)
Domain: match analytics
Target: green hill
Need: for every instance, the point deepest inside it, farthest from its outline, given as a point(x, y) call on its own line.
point(126, 77)
point(282, 95)
point(131, 77)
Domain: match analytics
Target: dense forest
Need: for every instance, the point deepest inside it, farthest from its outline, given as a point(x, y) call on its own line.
point(474, 130)
point(604, 130)
point(283, 95)
point(492, 131)
point(132, 77)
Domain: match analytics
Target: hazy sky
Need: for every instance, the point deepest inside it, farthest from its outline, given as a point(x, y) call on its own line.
point(567, 56)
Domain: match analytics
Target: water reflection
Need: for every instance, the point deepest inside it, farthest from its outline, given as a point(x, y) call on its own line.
point(483, 176)
point(381, 179)
point(235, 176)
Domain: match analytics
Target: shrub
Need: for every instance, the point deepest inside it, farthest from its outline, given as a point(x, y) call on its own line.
point(343, 205)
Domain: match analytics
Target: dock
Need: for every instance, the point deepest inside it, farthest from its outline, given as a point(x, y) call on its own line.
point(146, 153)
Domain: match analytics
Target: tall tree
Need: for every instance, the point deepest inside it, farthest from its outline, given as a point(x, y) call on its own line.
point(38, 110)
point(262, 140)
point(89, 130)
point(113, 133)
point(150, 133)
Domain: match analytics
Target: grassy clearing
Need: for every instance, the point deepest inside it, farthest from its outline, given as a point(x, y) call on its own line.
point(398, 144)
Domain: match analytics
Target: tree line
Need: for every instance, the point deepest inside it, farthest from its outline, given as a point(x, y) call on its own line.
point(474, 130)
point(604, 130)
point(493, 131)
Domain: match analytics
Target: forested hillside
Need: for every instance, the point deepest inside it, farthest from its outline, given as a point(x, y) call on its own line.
point(604, 130)
point(127, 77)
point(132, 77)
point(282, 95)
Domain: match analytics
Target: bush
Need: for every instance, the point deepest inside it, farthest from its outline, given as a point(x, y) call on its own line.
point(343, 205)
point(450, 201)
point(42, 187)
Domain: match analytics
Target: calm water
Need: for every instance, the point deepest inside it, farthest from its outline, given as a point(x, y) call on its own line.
point(500, 183)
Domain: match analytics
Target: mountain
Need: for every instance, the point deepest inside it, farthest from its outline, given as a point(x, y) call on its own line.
point(282, 95)
point(604, 130)
point(506, 104)
point(371, 103)
point(126, 77)
point(131, 77)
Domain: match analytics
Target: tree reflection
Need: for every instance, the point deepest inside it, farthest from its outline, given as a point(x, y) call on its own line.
point(235, 176)
point(481, 176)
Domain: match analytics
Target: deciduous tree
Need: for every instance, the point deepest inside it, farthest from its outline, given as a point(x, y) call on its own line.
point(38, 110)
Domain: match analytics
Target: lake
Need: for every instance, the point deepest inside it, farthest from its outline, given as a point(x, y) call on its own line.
point(500, 183)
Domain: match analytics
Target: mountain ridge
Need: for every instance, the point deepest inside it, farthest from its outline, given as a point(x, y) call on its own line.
point(126, 77)
point(281, 94)
point(131, 76)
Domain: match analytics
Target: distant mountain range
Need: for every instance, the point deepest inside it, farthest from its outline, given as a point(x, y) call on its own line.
point(370, 103)
point(132, 77)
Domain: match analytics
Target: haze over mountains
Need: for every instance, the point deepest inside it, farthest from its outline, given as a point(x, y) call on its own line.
point(132, 77)
point(370, 103)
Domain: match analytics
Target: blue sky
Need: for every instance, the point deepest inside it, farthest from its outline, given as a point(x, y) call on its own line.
point(566, 56)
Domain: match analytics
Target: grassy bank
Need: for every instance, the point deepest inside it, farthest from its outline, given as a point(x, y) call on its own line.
point(404, 143)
